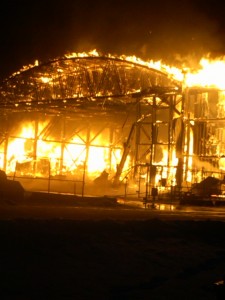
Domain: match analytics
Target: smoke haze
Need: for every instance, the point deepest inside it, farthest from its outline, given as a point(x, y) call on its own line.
point(150, 29)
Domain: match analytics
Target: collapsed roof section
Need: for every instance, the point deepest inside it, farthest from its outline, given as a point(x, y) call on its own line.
point(82, 82)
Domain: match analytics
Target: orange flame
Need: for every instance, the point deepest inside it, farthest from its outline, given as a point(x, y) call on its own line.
point(76, 154)
point(210, 74)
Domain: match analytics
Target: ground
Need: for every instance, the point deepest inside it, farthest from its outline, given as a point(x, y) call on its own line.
point(108, 253)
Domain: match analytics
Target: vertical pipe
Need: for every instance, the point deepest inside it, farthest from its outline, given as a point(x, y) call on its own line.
point(84, 176)
point(110, 148)
point(147, 183)
point(137, 140)
point(49, 176)
point(5, 152)
point(153, 143)
point(188, 145)
point(86, 160)
point(169, 133)
point(35, 145)
point(62, 145)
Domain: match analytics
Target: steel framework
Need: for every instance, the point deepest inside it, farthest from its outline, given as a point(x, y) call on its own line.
point(78, 81)
point(99, 102)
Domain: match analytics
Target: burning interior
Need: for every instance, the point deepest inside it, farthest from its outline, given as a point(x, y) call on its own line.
point(103, 125)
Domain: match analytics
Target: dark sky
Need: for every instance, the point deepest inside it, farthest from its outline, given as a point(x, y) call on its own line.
point(169, 30)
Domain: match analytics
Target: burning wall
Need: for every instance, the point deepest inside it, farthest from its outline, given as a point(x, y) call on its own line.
point(204, 125)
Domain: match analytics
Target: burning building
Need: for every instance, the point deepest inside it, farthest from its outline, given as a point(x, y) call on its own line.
point(89, 124)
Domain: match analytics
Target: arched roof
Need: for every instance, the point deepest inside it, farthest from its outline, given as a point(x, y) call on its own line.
point(77, 81)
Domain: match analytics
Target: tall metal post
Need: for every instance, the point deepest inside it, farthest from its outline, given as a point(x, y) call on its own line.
point(35, 145)
point(154, 141)
point(86, 160)
point(137, 141)
point(5, 152)
point(62, 145)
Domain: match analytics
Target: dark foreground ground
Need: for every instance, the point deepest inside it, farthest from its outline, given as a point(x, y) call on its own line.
point(110, 257)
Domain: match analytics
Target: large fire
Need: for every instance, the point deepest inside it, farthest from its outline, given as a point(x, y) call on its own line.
point(47, 155)
point(208, 73)
point(45, 158)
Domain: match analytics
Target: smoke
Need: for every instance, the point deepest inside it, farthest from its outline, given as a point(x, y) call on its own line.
point(162, 30)
point(178, 33)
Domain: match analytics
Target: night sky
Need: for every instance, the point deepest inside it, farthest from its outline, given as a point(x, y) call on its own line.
point(174, 31)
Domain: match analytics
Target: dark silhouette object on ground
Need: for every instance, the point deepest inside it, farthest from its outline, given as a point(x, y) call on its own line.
point(220, 289)
point(102, 179)
point(207, 187)
point(10, 191)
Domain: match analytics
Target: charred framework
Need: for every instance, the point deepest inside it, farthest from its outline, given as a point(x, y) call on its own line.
point(81, 104)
